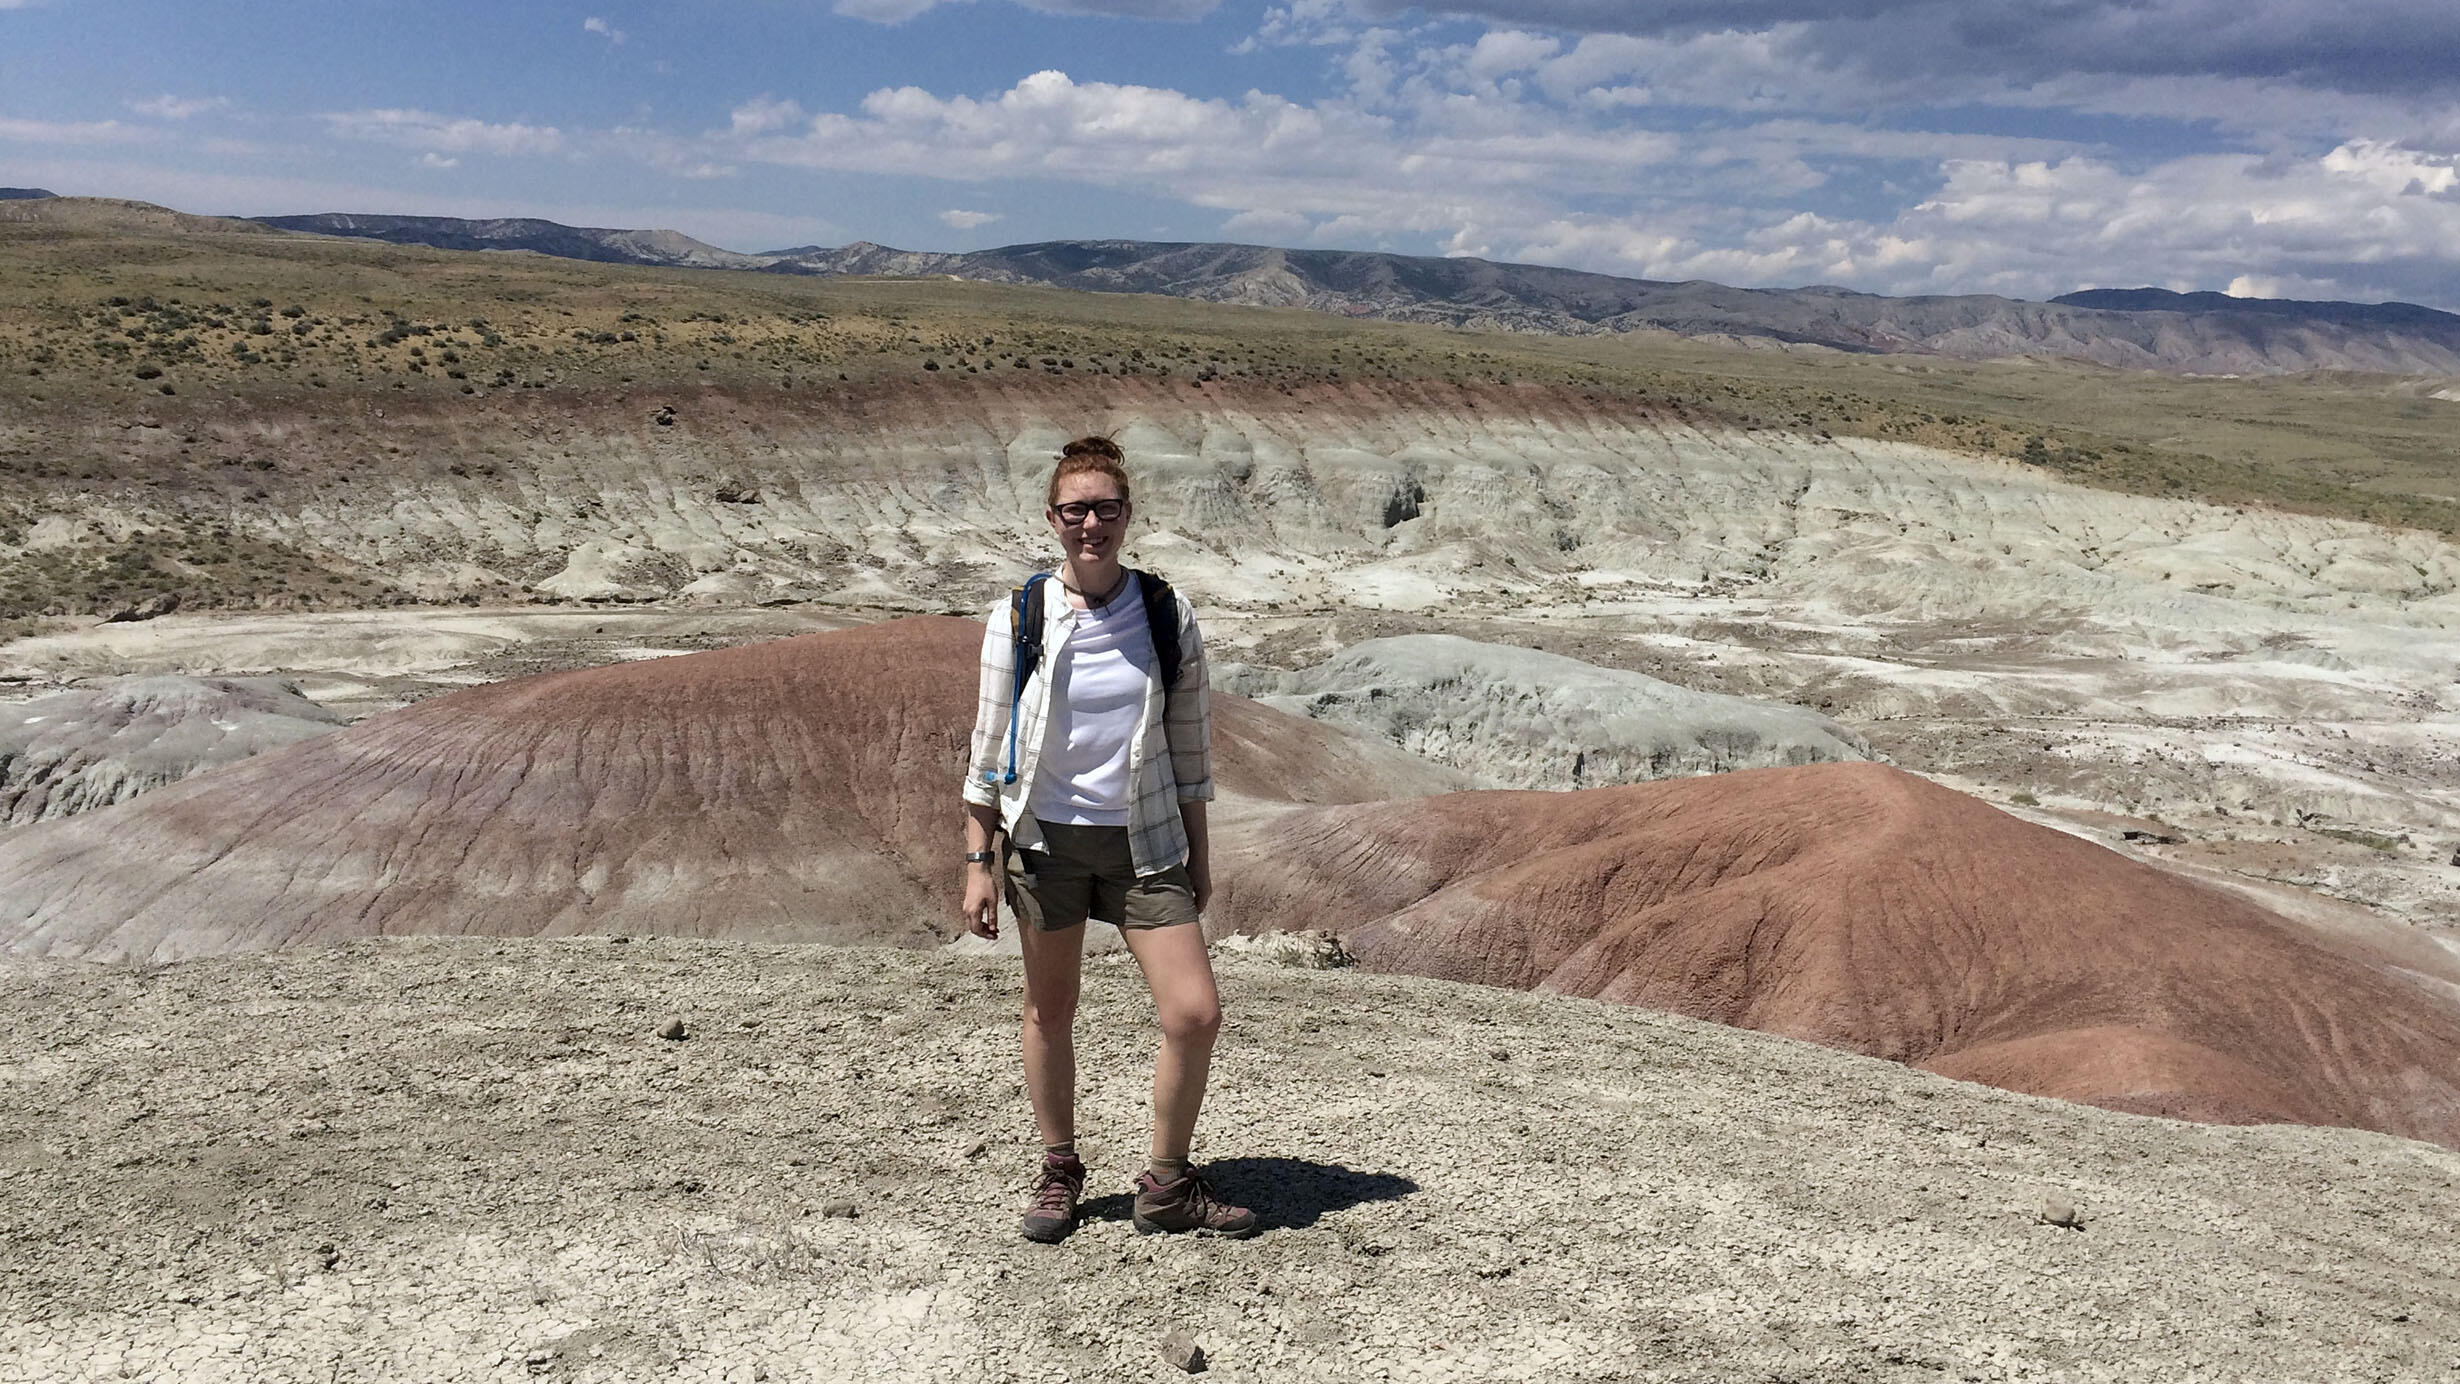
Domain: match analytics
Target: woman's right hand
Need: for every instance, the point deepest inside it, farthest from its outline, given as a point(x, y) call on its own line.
point(981, 911)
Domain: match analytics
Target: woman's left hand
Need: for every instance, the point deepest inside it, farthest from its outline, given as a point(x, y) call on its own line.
point(1200, 875)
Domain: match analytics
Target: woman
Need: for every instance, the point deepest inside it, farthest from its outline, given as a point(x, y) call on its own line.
point(1097, 775)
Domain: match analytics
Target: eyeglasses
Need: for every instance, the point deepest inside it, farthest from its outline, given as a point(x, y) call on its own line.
point(1074, 511)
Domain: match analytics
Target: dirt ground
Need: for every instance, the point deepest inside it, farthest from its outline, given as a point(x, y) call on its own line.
point(477, 1160)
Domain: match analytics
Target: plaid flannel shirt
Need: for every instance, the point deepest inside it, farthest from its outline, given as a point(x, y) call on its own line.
point(1171, 761)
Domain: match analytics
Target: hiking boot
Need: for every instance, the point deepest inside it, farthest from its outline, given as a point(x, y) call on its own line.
point(1051, 1213)
point(1166, 1208)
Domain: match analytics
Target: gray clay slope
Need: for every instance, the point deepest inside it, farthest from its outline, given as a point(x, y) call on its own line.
point(474, 1160)
point(90, 747)
point(1524, 718)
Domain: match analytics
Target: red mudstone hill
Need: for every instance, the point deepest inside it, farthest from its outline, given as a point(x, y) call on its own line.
point(1865, 908)
point(801, 790)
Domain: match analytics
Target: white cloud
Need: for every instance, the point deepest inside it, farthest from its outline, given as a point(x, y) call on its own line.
point(169, 107)
point(69, 131)
point(419, 129)
point(1266, 225)
point(2348, 223)
point(604, 30)
point(883, 11)
point(684, 158)
point(432, 159)
point(762, 114)
point(1259, 151)
point(1501, 52)
point(899, 11)
point(1445, 146)
point(2382, 46)
point(967, 220)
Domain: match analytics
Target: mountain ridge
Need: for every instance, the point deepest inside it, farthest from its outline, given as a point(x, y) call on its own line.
point(605, 245)
point(2150, 329)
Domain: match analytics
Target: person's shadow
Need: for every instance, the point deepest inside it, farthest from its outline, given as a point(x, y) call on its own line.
point(1285, 1193)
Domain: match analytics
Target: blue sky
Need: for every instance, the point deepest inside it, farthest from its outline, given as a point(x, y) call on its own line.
point(2027, 147)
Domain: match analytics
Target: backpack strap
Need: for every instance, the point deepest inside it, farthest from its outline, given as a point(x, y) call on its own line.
point(1162, 615)
point(1025, 651)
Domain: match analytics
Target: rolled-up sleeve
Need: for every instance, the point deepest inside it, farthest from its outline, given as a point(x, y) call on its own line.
point(1187, 723)
point(991, 710)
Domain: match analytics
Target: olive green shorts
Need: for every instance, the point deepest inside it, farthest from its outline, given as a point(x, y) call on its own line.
point(1087, 872)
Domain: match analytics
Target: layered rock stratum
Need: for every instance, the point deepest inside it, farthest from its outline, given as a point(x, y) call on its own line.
point(1372, 494)
point(1863, 907)
point(1525, 718)
point(2279, 684)
point(802, 790)
point(94, 746)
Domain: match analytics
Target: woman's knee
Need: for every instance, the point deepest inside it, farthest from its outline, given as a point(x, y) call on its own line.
point(1050, 1013)
point(1193, 1020)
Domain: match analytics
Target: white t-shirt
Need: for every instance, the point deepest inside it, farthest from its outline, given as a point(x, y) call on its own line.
point(1098, 683)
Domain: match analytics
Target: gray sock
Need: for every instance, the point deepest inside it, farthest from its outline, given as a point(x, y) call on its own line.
point(1059, 1153)
point(1168, 1169)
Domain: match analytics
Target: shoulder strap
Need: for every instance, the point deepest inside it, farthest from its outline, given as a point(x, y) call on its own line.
point(1025, 644)
point(1025, 626)
point(1162, 615)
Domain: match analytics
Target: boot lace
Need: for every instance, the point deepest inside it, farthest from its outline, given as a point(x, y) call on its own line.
point(1058, 1188)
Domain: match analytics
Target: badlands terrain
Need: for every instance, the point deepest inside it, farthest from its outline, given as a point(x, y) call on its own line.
point(2162, 675)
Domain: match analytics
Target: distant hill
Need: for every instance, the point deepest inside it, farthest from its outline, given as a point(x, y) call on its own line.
point(2395, 315)
point(670, 248)
point(2204, 333)
point(120, 216)
point(25, 194)
point(1476, 293)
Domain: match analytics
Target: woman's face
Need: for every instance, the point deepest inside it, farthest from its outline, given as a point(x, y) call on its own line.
point(1090, 539)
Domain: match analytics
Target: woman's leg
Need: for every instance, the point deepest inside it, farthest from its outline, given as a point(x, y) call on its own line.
point(1180, 975)
point(1054, 973)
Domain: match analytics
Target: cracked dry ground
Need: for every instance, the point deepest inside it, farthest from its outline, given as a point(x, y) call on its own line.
point(446, 1160)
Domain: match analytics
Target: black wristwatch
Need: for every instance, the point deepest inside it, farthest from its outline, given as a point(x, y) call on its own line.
point(980, 857)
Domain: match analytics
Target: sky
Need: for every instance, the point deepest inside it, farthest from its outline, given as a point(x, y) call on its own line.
point(2269, 148)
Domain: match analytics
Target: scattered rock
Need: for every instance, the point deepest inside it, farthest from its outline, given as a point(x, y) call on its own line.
point(977, 1148)
point(151, 608)
point(838, 1210)
point(2149, 838)
point(2060, 1211)
point(1181, 1350)
point(2455, 855)
point(1307, 949)
point(738, 494)
point(663, 416)
point(672, 1030)
point(327, 1256)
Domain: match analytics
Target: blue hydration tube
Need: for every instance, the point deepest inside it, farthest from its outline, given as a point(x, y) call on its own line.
point(1016, 692)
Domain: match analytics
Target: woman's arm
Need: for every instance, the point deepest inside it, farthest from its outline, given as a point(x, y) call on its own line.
point(978, 907)
point(1199, 850)
point(979, 913)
